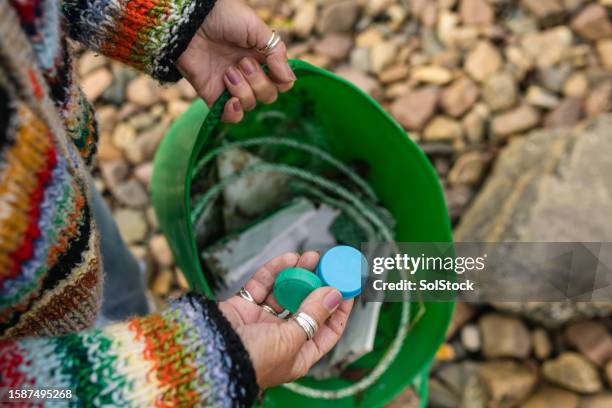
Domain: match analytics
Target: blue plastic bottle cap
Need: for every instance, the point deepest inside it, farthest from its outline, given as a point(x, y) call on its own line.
point(342, 268)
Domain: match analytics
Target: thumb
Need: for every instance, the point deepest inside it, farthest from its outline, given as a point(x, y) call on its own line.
point(319, 305)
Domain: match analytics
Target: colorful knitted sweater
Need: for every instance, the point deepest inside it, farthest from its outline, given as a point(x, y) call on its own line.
point(50, 266)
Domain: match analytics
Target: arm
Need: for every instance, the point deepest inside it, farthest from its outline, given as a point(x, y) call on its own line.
point(146, 34)
point(212, 43)
point(186, 356)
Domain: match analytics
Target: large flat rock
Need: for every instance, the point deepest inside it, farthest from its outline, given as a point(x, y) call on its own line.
point(551, 186)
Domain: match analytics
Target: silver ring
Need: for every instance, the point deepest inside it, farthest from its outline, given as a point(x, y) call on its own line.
point(272, 42)
point(243, 293)
point(269, 309)
point(307, 323)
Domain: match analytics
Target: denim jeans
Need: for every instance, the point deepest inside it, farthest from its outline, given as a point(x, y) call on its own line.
point(124, 281)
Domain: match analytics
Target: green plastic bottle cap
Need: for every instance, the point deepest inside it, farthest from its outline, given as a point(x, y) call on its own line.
point(293, 285)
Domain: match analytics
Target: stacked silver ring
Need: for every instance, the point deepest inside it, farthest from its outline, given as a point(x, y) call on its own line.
point(246, 295)
point(272, 42)
point(269, 309)
point(307, 323)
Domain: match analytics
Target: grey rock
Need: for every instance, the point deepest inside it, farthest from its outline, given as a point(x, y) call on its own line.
point(144, 146)
point(553, 77)
point(132, 225)
point(442, 128)
point(475, 394)
point(504, 336)
point(592, 339)
point(459, 96)
point(382, 56)
point(508, 383)
point(474, 123)
point(568, 113)
point(457, 197)
point(456, 375)
point(360, 59)
point(483, 61)
point(441, 396)
point(545, 175)
point(113, 172)
point(551, 397)
point(592, 22)
point(338, 16)
point(517, 120)
point(430, 43)
point(142, 121)
point(572, 371)
point(115, 93)
point(541, 98)
point(415, 108)
point(599, 100)
point(334, 46)
point(500, 91)
point(548, 47)
point(467, 169)
point(521, 22)
point(548, 12)
point(131, 193)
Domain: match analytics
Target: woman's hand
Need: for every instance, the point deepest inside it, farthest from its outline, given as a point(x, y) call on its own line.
point(223, 54)
point(278, 348)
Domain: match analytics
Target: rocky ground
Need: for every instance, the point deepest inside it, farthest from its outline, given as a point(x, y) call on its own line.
point(464, 77)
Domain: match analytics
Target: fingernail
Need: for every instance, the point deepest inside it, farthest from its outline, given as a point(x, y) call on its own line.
point(291, 73)
point(332, 300)
point(233, 76)
point(247, 66)
point(236, 106)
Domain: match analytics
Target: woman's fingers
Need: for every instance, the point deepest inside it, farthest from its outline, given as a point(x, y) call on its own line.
point(329, 334)
point(319, 305)
point(325, 339)
point(238, 86)
point(232, 111)
point(280, 71)
point(308, 260)
point(265, 91)
point(262, 282)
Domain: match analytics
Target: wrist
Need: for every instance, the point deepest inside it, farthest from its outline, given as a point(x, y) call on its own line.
point(194, 16)
point(220, 356)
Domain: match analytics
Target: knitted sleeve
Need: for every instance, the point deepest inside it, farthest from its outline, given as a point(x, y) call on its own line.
point(187, 356)
point(146, 34)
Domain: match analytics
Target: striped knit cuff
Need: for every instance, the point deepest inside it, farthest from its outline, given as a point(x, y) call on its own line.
point(146, 34)
point(229, 377)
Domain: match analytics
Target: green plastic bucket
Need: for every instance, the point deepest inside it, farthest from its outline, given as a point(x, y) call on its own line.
point(357, 128)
